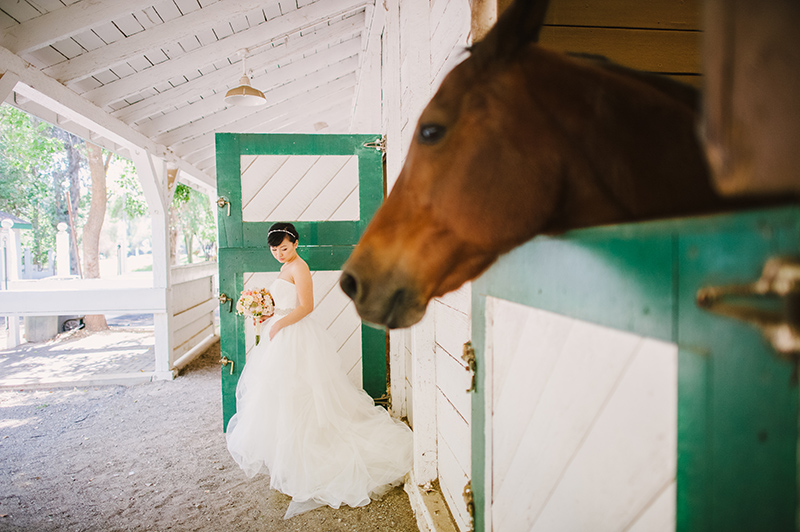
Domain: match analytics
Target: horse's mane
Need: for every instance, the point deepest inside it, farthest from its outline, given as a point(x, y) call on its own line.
point(682, 92)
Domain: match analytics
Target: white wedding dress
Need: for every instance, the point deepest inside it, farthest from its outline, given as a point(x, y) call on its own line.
point(321, 439)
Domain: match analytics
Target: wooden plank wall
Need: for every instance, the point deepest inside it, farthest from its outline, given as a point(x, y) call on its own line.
point(661, 36)
point(433, 37)
point(193, 304)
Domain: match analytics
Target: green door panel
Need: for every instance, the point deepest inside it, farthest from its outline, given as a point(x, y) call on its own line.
point(737, 408)
point(324, 245)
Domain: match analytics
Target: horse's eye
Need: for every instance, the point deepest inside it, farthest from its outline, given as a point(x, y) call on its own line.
point(431, 133)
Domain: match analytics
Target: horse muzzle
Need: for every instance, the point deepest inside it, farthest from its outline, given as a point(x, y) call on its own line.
point(383, 301)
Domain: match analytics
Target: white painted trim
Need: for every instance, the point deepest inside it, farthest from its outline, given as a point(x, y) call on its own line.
point(82, 301)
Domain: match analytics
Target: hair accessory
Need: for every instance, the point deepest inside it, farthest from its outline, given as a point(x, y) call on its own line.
point(282, 231)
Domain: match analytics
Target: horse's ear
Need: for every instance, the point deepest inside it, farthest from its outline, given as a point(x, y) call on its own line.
point(518, 26)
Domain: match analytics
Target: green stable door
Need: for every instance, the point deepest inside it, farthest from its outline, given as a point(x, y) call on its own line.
point(727, 410)
point(328, 186)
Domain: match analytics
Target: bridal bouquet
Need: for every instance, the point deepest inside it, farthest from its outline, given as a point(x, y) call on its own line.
point(256, 304)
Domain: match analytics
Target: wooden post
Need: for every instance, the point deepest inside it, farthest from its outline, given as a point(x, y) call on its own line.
point(424, 400)
point(155, 192)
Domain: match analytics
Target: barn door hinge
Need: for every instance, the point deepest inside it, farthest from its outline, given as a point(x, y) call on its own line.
point(772, 303)
point(378, 144)
point(469, 499)
point(468, 356)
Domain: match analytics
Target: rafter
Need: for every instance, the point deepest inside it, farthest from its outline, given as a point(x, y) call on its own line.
point(46, 91)
point(203, 56)
point(228, 115)
point(260, 121)
point(343, 58)
point(96, 61)
point(62, 23)
point(292, 52)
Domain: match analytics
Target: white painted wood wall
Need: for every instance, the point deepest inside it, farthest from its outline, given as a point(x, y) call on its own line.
point(194, 300)
point(581, 425)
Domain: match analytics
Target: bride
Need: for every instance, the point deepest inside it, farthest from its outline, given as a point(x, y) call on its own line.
point(322, 440)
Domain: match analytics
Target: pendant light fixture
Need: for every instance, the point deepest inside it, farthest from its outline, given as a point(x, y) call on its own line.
point(244, 94)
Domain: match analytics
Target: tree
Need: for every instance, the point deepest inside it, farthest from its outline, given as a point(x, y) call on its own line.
point(94, 224)
point(29, 156)
point(190, 214)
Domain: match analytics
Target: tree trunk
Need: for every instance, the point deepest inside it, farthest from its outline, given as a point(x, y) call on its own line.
point(73, 199)
point(93, 226)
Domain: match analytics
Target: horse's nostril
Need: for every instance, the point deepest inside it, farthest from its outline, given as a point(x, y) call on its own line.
point(349, 285)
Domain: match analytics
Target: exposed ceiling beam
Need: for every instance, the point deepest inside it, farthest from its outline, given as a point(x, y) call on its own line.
point(342, 57)
point(43, 113)
point(109, 56)
point(62, 23)
point(228, 115)
point(7, 83)
point(211, 53)
point(46, 91)
point(101, 59)
point(179, 95)
point(312, 103)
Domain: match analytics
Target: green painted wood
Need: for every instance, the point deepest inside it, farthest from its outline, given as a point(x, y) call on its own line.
point(342, 233)
point(737, 412)
point(324, 245)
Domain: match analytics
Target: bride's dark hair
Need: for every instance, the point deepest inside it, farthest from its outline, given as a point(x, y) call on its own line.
point(279, 231)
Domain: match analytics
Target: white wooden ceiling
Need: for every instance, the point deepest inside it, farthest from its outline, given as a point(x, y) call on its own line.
point(153, 75)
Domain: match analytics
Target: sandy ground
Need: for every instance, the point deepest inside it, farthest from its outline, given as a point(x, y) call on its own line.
point(146, 457)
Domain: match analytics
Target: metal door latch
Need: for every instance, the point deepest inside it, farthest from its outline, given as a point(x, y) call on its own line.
point(225, 361)
point(469, 499)
point(772, 303)
point(221, 202)
point(223, 298)
point(378, 144)
point(468, 356)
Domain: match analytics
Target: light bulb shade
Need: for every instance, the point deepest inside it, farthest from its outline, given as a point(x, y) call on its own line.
point(245, 95)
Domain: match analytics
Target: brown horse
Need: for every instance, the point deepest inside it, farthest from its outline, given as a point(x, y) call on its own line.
point(520, 141)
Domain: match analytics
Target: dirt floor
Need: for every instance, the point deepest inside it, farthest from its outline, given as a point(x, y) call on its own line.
point(147, 457)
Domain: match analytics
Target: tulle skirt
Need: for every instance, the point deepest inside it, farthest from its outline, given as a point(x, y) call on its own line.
point(300, 419)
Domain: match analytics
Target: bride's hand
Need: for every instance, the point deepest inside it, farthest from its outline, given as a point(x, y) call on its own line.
point(274, 329)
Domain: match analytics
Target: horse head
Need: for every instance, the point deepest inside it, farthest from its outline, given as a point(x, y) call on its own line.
point(510, 146)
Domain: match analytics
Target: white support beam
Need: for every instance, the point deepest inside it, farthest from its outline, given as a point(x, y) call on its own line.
point(62, 23)
point(367, 102)
point(192, 61)
point(7, 83)
point(153, 175)
point(96, 61)
point(48, 92)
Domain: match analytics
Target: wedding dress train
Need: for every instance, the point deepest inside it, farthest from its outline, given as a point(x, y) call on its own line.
point(321, 439)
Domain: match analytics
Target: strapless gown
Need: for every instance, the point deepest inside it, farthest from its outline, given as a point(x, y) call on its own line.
point(321, 439)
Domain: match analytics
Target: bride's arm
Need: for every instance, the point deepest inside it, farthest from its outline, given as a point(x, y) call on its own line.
point(305, 299)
